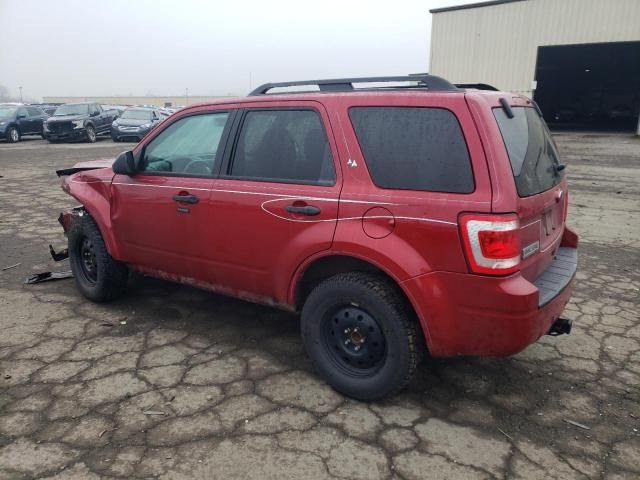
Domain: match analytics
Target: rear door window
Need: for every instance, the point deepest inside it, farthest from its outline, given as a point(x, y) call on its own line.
point(532, 152)
point(286, 146)
point(413, 148)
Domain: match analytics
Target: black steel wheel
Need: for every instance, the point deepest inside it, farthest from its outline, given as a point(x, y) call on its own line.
point(354, 340)
point(98, 276)
point(360, 335)
point(88, 263)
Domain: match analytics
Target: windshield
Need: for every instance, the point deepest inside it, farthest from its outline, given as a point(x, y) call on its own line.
point(137, 114)
point(70, 109)
point(7, 111)
point(532, 152)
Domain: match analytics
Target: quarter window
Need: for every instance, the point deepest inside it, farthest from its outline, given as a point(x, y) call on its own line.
point(189, 146)
point(287, 146)
point(413, 148)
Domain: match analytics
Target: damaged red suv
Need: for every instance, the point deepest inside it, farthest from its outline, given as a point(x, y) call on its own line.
point(398, 215)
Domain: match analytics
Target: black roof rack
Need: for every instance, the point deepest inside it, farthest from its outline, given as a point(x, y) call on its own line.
point(477, 86)
point(422, 81)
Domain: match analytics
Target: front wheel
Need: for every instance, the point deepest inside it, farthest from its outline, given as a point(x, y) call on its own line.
point(13, 135)
point(91, 134)
point(359, 334)
point(98, 276)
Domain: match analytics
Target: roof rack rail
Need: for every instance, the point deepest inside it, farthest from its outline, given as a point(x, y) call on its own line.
point(477, 86)
point(423, 81)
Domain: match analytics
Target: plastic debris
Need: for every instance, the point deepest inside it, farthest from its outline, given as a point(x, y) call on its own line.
point(153, 412)
point(11, 266)
point(576, 424)
point(48, 276)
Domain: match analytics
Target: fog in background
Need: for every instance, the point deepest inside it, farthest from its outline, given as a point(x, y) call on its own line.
point(162, 47)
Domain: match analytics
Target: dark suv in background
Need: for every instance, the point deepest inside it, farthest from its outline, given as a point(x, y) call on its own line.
point(19, 120)
point(79, 121)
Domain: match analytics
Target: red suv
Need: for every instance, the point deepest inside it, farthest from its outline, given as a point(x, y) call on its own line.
point(394, 213)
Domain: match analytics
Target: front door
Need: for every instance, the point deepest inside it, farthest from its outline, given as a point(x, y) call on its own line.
point(161, 214)
point(276, 201)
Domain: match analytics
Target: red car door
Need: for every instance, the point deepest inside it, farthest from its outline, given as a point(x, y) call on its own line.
point(160, 215)
point(276, 200)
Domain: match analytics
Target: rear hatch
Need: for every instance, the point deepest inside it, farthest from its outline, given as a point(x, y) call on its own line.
point(540, 183)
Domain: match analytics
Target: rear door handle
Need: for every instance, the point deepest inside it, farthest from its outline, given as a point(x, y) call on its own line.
point(186, 198)
point(309, 210)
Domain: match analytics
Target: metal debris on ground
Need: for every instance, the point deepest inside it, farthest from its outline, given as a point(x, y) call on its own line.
point(579, 425)
point(153, 412)
point(11, 266)
point(58, 256)
point(48, 276)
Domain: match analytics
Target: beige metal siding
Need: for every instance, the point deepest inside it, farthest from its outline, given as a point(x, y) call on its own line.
point(499, 44)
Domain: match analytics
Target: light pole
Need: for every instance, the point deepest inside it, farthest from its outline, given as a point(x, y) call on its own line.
point(20, 88)
point(186, 97)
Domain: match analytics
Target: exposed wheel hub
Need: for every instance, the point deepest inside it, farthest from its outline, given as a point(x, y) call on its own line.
point(355, 339)
point(88, 259)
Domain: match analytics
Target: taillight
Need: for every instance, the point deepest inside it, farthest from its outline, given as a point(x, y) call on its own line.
point(491, 242)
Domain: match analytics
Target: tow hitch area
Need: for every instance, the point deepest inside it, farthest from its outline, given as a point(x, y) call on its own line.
point(560, 327)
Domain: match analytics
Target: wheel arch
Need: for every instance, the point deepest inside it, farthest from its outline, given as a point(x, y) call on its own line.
point(320, 268)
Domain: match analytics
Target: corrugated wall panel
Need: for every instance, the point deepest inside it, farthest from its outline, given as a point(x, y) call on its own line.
point(499, 44)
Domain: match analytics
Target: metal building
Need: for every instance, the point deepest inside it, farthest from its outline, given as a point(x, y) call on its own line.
point(579, 59)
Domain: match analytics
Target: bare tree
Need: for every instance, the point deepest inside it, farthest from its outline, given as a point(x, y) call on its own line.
point(4, 94)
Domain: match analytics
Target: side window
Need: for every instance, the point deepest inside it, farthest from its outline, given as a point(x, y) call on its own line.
point(283, 145)
point(187, 146)
point(93, 109)
point(34, 112)
point(22, 112)
point(413, 148)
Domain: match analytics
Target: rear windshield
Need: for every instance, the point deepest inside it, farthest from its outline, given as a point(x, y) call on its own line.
point(413, 148)
point(532, 152)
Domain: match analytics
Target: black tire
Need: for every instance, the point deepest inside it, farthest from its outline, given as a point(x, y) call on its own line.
point(114, 138)
point(361, 298)
point(98, 276)
point(91, 134)
point(13, 135)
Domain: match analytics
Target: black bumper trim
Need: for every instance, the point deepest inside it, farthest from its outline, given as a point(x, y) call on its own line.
point(558, 275)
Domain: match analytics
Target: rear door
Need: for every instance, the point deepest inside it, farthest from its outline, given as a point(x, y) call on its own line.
point(276, 201)
point(540, 185)
point(161, 215)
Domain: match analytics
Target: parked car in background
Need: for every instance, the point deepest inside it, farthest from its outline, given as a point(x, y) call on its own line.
point(48, 108)
point(118, 108)
point(79, 121)
point(396, 220)
point(19, 120)
point(135, 123)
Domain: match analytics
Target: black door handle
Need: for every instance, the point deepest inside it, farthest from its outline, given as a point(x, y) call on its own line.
point(309, 210)
point(186, 198)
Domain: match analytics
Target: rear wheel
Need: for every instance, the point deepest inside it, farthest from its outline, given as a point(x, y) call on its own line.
point(13, 135)
point(98, 276)
point(360, 337)
point(91, 134)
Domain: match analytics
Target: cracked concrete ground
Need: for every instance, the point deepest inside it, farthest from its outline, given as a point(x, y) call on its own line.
point(175, 383)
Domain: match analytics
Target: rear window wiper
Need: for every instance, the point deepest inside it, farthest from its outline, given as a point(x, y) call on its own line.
point(508, 111)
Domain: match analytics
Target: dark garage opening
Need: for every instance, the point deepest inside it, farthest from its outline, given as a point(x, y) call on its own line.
point(590, 86)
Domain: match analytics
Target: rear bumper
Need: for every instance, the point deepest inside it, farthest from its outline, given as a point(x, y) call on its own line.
point(465, 314)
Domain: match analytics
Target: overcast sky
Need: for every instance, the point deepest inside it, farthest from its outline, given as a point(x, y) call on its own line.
point(162, 47)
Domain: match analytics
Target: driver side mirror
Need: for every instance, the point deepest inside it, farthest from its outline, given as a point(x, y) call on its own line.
point(124, 164)
point(94, 114)
point(21, 116)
